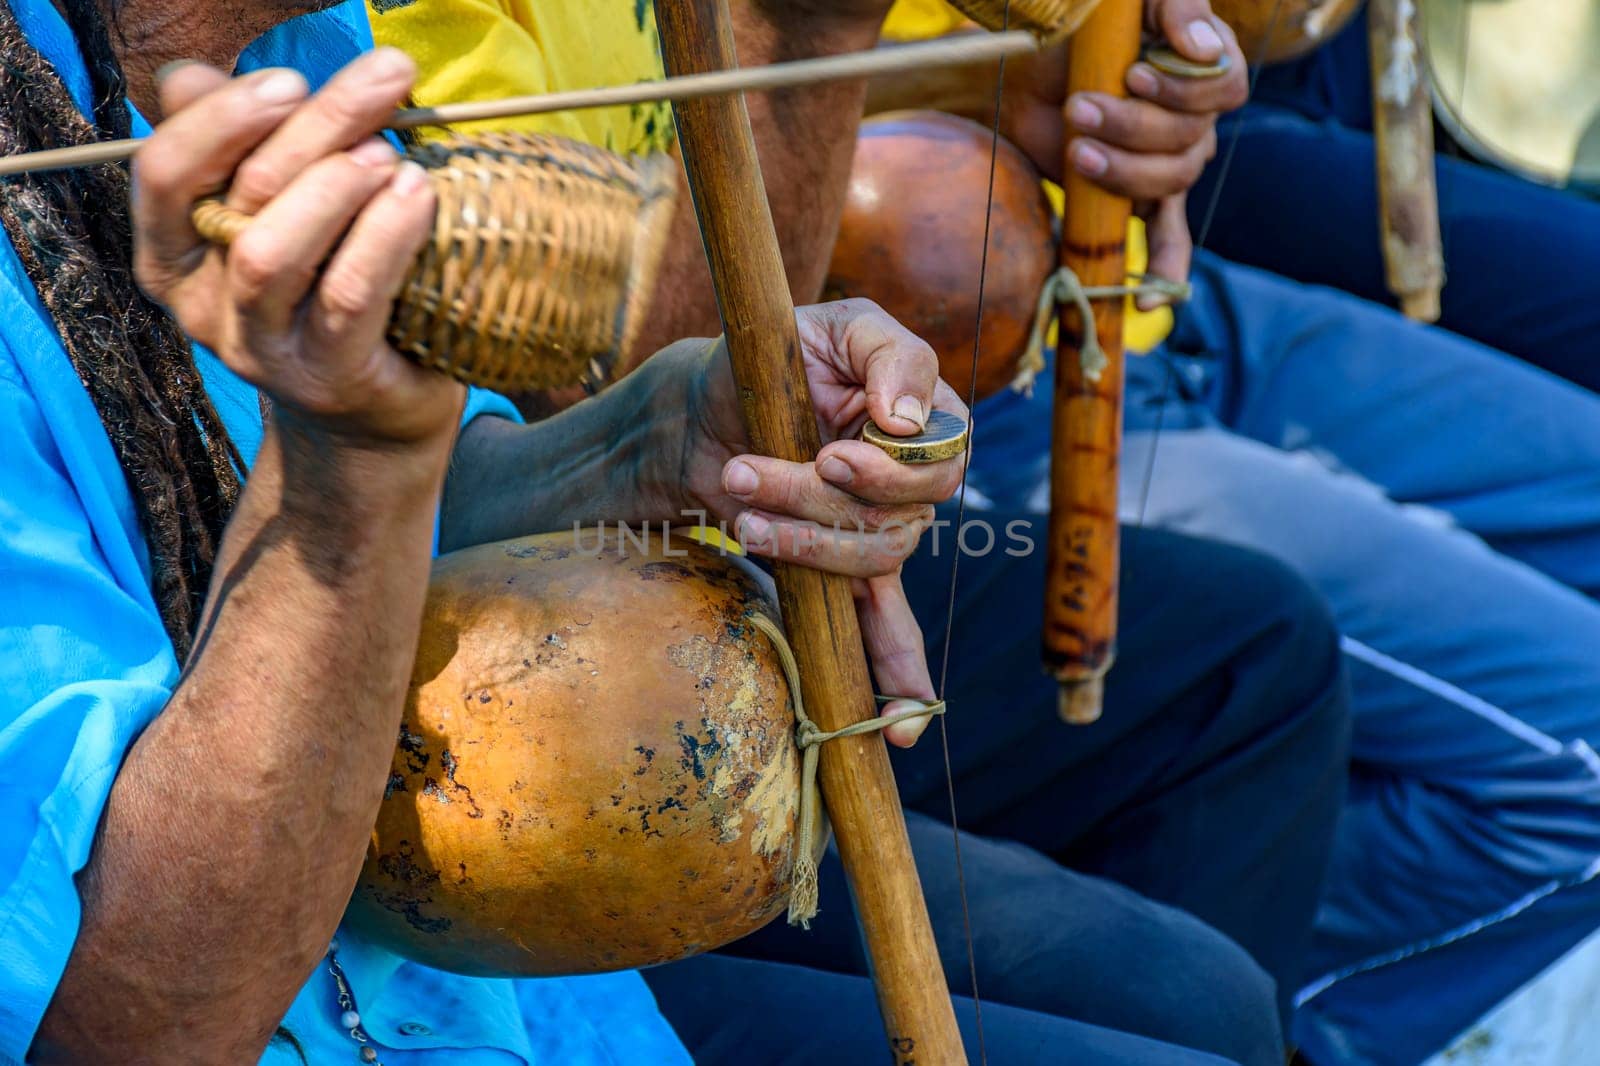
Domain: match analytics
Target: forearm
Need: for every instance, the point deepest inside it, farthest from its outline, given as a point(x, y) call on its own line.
point(967, 90)
point(236, 827)
point(805, 138)
point(616, 457)
point(1027, 119)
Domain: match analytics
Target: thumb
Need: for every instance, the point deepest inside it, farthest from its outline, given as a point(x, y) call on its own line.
point(896, 370)
point(1188, 26)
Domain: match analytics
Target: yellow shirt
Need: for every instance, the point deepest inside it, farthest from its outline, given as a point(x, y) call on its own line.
point(485, 49)
point(918, 20)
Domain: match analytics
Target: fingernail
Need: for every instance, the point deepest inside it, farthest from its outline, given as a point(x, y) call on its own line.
point(1142, 80)
point(1085, 115)
point(1089, 159)
point(409, 178)
point(753, 529)
point(167, 70)
point(740, 479)
point(374, 153)
point(1204, 37)
point(836, 470)
point(910, 730)
point(390, 62)
point(280, 87)
point(908, 408)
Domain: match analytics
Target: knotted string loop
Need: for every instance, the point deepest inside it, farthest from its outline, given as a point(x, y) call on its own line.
point(810, 737)
point(1064, 287)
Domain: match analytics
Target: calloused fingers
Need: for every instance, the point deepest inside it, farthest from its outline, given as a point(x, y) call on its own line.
point(893, 640)
point(274, 262)
point(841, 549)
point(1198, 96)
point(184, 82)
point(852, 483)
point(193, 154)
point(357, 292)
point(864, 345)
point(1188, 26)
point(1139, 176)
point(355, 104)
point(1171, 247)
point(1135, 125)
point(868, 473)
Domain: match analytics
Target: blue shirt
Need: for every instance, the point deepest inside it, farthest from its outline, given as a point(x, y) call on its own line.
point(85, 665)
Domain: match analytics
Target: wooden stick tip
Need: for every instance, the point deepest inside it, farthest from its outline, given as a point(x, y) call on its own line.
point(1421, 306)
point(1080, 702)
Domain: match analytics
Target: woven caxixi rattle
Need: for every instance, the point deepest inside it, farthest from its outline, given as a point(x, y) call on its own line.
point(1047, 19)
point(543, 255)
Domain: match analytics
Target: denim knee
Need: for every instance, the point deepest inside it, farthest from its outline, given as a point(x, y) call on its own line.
point(1132, 964)
point(1289, 649)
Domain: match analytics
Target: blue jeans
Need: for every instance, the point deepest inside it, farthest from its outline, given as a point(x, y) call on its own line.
point(1446, 500)
point(1155, 985)
point(1299, 198)
point(731, 1011)
point(1207, 794)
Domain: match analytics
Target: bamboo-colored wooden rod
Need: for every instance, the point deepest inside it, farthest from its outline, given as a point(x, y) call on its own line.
point(1080, 610)
point(952, 52)
point(1402, 130)
point(819, 613)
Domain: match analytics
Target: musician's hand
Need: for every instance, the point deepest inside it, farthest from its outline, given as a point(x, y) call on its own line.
point(1150, 147)
point(1184, 106)
point(1190, 28)
point(298, 304)
point(854, 510)
point(1144, 147)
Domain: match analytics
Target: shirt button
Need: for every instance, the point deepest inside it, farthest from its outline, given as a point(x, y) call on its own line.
point(414, 1029)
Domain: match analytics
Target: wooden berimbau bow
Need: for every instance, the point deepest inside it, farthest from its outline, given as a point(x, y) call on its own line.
point(759, 321)
point(1402, 133)
point(1079, 636)
point(1275, 31)
point(819, 614)
point(1081, 576)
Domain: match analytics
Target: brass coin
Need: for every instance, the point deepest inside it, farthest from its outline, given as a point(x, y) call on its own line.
point(1170, 62)
point(944, 438)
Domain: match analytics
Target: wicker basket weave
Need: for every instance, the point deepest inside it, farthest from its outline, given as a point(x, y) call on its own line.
point(1049, 19)
point(543, 256)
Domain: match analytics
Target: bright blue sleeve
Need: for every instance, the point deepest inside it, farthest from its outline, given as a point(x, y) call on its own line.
point(85, 662)
point(84, 665)
point(484, 402)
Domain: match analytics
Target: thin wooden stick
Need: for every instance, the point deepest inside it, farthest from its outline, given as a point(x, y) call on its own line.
point(818, 610)
point(1080, 610)
point(950, 52)
point(1402, 130)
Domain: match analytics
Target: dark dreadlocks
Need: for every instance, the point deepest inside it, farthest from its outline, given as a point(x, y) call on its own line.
point(74, 234)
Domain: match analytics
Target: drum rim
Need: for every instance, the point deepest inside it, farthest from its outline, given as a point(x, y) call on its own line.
point(1484, 151)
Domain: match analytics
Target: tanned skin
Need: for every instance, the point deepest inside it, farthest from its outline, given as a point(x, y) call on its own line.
point(237, 823)
point(805, 137)
point(1150, 146)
